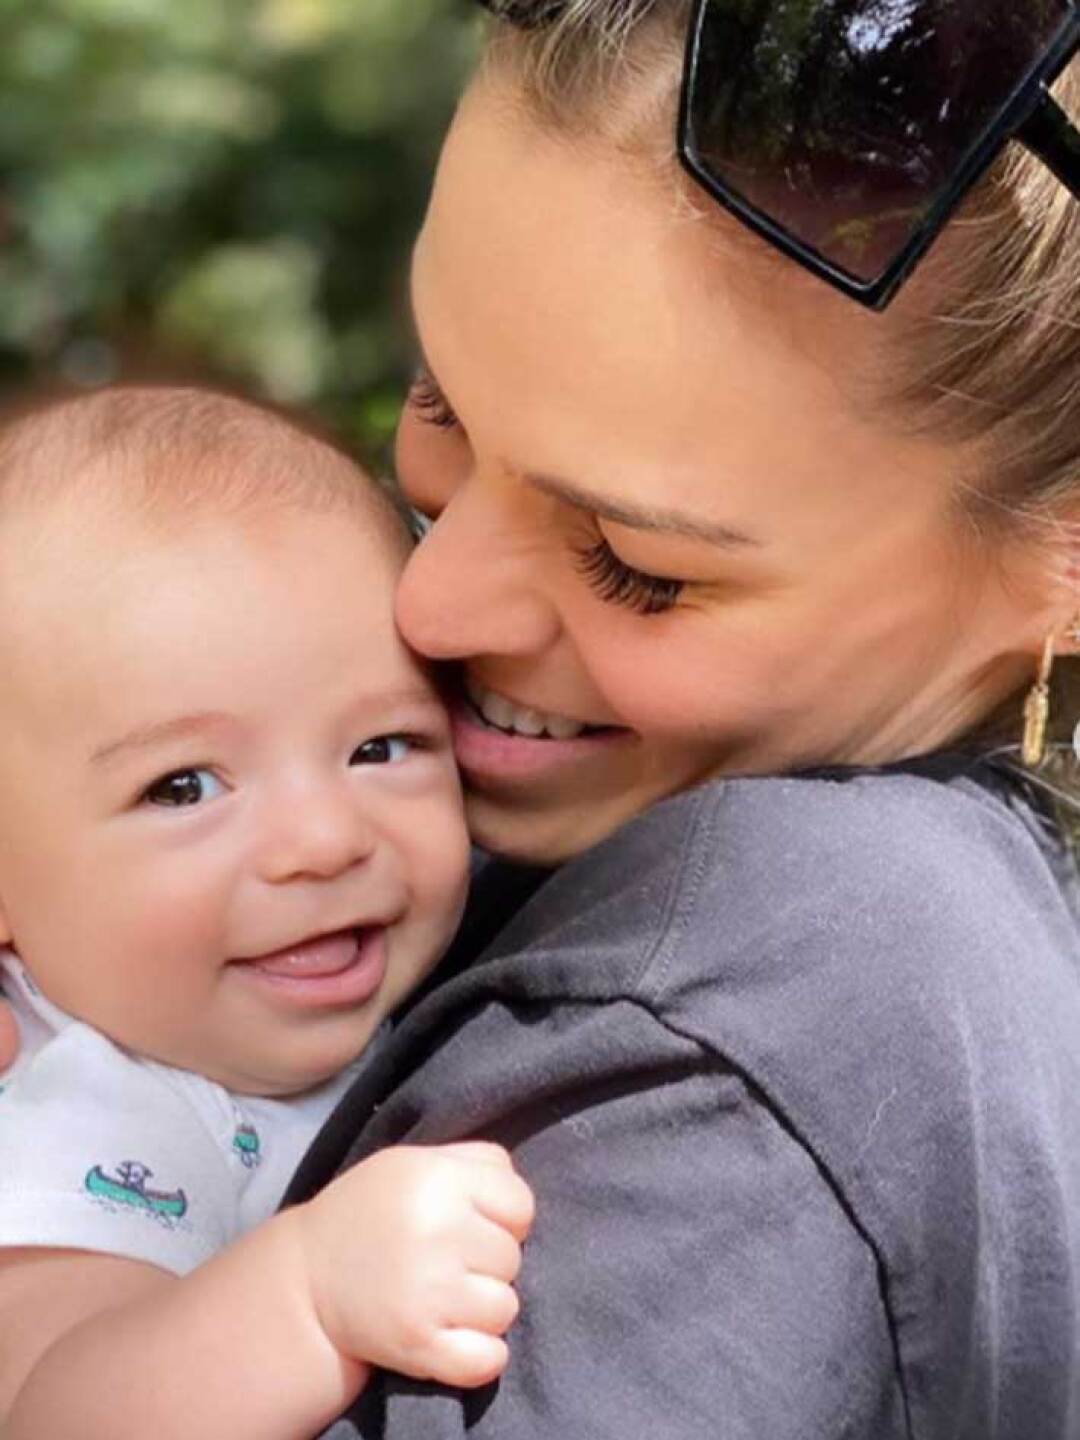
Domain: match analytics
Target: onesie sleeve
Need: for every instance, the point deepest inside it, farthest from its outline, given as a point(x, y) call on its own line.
point(100, 1151)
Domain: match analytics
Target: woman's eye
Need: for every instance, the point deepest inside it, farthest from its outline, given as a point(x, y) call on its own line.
point(620, 584)
point(383, 750)
point(184, 788)
point(429, 402)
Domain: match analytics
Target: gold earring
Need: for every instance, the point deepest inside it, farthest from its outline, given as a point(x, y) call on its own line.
point(1037, 710)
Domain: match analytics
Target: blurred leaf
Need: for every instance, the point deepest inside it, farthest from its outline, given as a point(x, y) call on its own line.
point(221, 186)
point(251, 309)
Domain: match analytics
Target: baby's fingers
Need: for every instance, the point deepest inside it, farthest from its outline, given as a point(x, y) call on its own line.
point(486, 1305)
point(503, 1197)
point(467, 1358)
point(488, 1249)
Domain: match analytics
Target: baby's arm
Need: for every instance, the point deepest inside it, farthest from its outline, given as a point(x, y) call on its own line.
point(405, 1262)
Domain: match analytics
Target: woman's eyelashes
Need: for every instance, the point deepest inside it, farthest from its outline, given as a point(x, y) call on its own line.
point(611, 578)
point(621, 584)
point(429, 402)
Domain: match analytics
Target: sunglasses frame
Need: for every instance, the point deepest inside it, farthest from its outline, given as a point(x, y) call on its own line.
point(1030, 116)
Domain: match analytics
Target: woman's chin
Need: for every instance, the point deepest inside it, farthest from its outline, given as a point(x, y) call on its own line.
point(537, 834)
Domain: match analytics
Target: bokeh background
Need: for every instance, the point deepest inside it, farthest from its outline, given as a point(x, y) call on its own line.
point(222, 190)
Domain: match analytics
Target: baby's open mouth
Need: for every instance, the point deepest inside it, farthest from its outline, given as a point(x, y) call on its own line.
point(312, 959)
point(341, 968)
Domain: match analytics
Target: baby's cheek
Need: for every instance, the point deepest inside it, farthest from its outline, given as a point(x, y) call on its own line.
point(440, 860)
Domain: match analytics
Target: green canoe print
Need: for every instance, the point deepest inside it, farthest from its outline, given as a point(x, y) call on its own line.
point(128, 1187)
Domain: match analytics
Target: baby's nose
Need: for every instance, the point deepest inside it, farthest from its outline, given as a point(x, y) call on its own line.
point(317, 835)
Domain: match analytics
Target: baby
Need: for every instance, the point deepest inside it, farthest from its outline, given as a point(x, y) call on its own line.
point(231, 843)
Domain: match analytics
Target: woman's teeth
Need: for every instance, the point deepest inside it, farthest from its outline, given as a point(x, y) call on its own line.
point(516, 720)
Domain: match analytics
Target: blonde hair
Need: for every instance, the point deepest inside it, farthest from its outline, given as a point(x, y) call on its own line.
point(988, 358)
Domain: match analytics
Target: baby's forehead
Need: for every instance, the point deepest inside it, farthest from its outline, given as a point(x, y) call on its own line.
point(102, 615)
point(87, 485)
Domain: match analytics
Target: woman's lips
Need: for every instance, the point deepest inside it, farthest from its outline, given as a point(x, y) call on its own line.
point(346, 968)
point(483, 751)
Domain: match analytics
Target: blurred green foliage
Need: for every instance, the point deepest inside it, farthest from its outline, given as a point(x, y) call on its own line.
point(223, 189)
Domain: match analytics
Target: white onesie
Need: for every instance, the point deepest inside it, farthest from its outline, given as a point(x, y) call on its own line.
point(102, 1150)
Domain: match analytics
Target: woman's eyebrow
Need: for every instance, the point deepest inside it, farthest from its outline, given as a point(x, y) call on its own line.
point(642, 517)
point(619, 512)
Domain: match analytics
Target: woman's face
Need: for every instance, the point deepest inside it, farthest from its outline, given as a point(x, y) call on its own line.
point(659, 511)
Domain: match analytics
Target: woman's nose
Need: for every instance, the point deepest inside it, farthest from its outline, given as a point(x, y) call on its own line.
point(476, 584)
point(318, 832)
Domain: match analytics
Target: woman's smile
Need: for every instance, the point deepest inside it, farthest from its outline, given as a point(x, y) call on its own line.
point(508, 715)
point(498, 740)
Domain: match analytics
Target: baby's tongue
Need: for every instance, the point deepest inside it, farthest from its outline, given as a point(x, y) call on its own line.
point(328, 955)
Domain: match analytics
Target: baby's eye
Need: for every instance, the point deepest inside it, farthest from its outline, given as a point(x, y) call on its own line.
point(383, 750)
point(184, 787)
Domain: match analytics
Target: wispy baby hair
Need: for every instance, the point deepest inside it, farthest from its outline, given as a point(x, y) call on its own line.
point(170, 449)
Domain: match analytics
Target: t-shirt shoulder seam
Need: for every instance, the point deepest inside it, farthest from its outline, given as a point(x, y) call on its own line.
point(688, 877)
point(690, 873)
point(761, 1094)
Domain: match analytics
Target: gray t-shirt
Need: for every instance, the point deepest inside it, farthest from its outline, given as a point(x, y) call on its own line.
point(793, 1066)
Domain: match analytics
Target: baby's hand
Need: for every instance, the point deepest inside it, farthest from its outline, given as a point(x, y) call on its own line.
point(412, 1256)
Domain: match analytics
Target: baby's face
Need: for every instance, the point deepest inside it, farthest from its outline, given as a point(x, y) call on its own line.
point(232, 835)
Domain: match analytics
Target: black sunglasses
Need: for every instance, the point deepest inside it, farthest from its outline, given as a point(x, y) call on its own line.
point(846, 132)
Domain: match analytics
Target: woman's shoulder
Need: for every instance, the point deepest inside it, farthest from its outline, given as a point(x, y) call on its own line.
point(862, 855)
point(892, 962)
point(879, 952)
point(875, 889)
point(865, 878)
point(892, 965)
point(863, 824)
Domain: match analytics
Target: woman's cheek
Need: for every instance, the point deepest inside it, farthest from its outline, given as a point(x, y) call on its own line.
point(683, 681)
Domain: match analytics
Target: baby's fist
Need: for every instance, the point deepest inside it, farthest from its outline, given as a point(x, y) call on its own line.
point(412, 1258)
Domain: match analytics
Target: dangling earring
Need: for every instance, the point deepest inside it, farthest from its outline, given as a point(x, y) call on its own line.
point(1037, 710)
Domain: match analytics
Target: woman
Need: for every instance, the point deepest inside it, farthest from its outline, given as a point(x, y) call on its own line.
point(739, 578)
point(792, 1063)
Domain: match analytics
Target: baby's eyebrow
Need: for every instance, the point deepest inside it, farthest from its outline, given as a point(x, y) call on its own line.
point(145, 737)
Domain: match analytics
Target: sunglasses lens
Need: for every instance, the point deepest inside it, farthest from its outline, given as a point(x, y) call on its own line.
point(844, 121)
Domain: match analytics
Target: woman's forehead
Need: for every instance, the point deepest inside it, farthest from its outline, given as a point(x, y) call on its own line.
point(584, 326)
point(585, 199)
